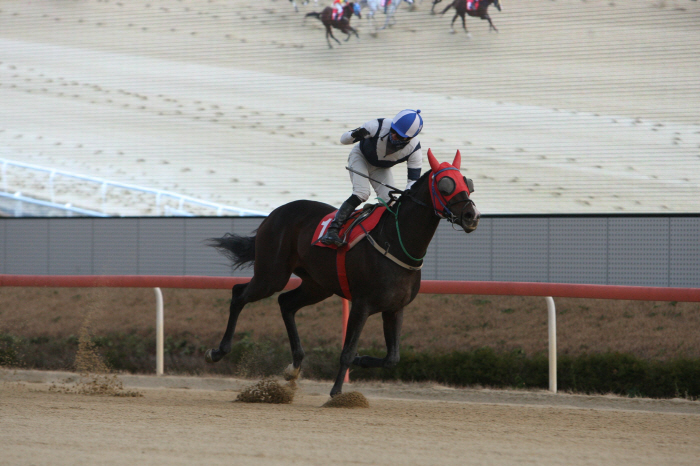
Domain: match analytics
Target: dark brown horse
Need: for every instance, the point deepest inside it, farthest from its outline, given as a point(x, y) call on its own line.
point(461, 10)
point(283, 245)
point(326, 17)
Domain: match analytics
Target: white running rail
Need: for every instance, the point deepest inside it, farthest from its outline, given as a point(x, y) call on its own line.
point(159, 194)
point(65, 207)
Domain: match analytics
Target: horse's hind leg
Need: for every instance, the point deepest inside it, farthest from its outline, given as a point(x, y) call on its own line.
point(240, 296)
point(392, 333)
point(290, 302)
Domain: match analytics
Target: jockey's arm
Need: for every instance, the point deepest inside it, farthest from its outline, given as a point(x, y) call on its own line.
point(415, 164)
point(356, 135)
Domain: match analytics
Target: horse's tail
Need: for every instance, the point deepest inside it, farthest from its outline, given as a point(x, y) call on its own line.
point(314, 14)
point(239, 249)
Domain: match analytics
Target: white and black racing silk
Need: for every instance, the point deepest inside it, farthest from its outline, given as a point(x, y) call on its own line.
point(379, 152)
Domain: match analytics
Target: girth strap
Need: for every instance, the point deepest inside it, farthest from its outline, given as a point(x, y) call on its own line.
point(342, 275)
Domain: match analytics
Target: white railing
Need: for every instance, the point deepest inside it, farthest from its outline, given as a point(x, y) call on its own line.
point(159, 194)
point(70, 209)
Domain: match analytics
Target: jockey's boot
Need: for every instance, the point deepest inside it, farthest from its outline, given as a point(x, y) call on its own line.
point(331, 236)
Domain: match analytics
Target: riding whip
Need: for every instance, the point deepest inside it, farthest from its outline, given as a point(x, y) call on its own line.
point(372, 179)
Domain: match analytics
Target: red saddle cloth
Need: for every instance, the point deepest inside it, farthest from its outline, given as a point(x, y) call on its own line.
point(472, 5)
point(356, 234)
point(354, 229)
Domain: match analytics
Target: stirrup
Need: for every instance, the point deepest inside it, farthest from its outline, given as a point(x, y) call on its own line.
point(335, 240)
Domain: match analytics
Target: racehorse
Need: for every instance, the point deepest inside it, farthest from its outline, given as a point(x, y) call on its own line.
point(294, 4)
point(481, 11)
point(390, 7)
point(343, 23)
point(283, 245)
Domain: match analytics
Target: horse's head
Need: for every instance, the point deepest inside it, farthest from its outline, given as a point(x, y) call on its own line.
point(352, 8)
point(450, 191)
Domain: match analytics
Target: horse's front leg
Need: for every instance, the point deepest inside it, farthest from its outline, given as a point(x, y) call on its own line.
point(290, 302)
point(350, 32)
point(464, 26)
point(491, 26)
point(329, 32)
point(392, 334)
point(356, 322)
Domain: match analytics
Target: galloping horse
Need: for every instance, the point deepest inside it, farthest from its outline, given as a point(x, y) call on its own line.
point(390, 7)
point(481, 11)
point(343, 24)
point(283, 245)
point(294, 4)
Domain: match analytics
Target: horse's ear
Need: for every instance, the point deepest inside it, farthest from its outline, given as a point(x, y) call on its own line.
point(458, 160)
point(434, 165)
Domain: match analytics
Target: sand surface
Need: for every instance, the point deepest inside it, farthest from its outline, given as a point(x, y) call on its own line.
point(189, 420)
point(575, 106)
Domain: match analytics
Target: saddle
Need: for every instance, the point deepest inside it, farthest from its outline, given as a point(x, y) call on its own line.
point(354, 229)
point(472, 5)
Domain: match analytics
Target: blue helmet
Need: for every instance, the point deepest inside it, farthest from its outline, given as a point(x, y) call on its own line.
point(407, 123)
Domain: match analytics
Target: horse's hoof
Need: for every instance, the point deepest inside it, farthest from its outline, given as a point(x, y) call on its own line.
point(212, 356)
point(469, 35)
point(452, 31)
point(290, 373)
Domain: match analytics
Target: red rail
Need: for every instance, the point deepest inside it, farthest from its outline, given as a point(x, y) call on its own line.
point(562, 290)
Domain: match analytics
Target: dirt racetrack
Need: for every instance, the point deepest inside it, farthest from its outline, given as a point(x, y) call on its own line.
point(181, 420)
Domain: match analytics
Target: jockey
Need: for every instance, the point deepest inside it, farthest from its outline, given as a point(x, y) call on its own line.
point(383, 143)
point(472, 5)
point(337, 10)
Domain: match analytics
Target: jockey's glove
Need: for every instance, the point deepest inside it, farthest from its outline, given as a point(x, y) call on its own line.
point(359, 134)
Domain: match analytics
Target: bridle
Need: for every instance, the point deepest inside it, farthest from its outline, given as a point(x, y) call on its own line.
point(443, 211)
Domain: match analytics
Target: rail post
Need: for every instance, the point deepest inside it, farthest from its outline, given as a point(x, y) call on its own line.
point(159, 331)
point(552, 331)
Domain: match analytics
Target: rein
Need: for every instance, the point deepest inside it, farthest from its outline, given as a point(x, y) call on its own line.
point(396, 217)
point(446, 213)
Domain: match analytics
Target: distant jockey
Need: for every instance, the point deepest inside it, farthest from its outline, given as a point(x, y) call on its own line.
point(385, 4)
point(337, 14)
point(382, 144)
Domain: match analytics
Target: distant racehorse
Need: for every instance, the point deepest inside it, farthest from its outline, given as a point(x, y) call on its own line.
point(294, 4)
point(390, 7)
point(481, 11)
point(326, 17)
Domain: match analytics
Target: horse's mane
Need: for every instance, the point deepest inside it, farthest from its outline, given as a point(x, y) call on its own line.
point(417, 185)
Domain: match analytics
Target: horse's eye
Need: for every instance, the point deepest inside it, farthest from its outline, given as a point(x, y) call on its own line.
point(446, 186)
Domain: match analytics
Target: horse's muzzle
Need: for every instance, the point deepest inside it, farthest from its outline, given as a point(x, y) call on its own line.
point(469, 221)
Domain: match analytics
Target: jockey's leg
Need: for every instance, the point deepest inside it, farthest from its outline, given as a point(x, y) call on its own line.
point(332, 236)
point(385, 176)
point(360, 193)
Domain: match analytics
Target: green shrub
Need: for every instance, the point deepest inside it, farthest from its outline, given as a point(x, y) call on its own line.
point(622, 374)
